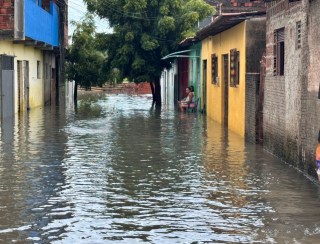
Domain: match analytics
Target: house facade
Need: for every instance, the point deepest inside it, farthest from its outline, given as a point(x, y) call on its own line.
point(291, 104)
point(195, 69)
point(168, 83)
point(33, 35)
point(232, 47)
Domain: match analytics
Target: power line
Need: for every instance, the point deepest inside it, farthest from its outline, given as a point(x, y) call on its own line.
point(83, 11)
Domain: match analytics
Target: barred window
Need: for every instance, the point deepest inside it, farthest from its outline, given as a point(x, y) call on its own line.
point(234, 67)
point(214, 69)
point(298, 35)
point(278, 52)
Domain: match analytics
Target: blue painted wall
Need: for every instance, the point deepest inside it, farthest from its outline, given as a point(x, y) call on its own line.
point(41, 25)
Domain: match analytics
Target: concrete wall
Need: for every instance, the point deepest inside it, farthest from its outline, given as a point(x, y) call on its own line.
point(49, 80)
point(255, 43)
point(252, 96)
point(255, 46)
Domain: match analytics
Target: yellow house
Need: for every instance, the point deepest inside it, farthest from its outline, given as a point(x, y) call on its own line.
point(232, 47)
point(27, 59)
point(32, 40)
point(32, 74)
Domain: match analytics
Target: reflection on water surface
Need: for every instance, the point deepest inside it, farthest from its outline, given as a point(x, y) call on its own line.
point(116, 170)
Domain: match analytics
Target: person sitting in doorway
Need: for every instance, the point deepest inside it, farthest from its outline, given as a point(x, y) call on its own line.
point(188, 101)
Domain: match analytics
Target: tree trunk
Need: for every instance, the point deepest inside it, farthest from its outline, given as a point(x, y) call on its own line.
point(75, 94)
point(152, 91)
point(156, 92)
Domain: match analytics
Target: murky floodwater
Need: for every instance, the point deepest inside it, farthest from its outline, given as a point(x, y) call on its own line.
point(117, 171)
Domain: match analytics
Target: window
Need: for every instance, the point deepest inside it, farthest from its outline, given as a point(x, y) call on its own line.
point(214, 69)
point(278, 52)
point(234, 67)
point(298, 34)
point(38, 70)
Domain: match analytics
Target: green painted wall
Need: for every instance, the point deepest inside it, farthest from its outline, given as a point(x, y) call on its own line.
point(195, 69)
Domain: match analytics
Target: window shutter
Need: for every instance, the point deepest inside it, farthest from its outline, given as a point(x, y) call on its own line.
point(278, 56)
point(214, 68)
point(280, 35)
point(234, 67)
point(237, 62)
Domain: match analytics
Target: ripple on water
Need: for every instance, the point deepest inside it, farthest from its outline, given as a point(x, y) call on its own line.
point(117, 170)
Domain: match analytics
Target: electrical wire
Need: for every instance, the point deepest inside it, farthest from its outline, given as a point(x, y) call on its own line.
point(81, 12)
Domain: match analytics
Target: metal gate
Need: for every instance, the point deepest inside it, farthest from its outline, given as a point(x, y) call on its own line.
point(7, 86)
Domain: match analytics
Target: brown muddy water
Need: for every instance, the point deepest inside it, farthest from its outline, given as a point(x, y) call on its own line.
point(116, 171)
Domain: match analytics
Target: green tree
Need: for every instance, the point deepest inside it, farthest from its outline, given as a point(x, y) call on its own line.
point(84, 58)
point(144, 32)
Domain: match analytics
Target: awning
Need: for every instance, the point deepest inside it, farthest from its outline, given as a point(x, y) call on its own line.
point(179, 55)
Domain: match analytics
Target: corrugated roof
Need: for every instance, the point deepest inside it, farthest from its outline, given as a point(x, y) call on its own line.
point(188, 41)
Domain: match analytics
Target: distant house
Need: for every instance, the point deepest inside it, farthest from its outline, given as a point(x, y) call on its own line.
point(291, 103)
point(193, 45)
point(168, 83)
point(33, 34)
point(232, 47)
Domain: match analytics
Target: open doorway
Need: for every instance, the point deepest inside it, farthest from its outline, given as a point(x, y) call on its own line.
point(225, 89)
point(204, 85)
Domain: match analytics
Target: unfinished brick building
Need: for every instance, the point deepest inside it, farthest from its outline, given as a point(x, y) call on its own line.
point(291, 101)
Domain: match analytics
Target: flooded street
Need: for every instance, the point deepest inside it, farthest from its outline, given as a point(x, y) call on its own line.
point(115, 170)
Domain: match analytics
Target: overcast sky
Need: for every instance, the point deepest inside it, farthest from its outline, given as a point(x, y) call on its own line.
point(77, 9)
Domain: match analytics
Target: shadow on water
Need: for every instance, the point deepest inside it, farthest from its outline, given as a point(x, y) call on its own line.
point(115, 169)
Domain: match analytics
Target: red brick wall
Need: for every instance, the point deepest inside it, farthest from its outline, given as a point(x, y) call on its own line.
point(242, 5)
point(143, 88)
point(6, 14)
